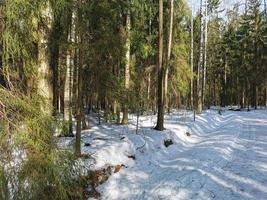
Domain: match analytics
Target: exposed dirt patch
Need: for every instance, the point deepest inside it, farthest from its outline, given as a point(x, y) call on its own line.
point(96, 178)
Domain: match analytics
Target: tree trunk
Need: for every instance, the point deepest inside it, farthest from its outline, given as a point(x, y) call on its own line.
point(79, 114)
point(160, 118)
point(44, 72)
point(54, 65)
point(148, 90)
point(127, 65)
point(248, 93)
point(243, 97)
point(200, 62)
point(169, 53)
point(155, 101)
point(79, 88)
point(116, 112)
point(85, 124)
point(75, 78)
point(57, 58)
point(205, 53)
point(68, 80)
point(192, 61)
point(225, 83)
point(257, 60)
point(256, 97)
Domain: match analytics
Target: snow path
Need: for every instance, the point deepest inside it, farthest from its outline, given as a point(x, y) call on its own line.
point(224, 158)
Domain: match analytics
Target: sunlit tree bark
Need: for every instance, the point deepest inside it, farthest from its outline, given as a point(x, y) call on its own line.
point(169, 54)
point(127, 64)
point(44, 72)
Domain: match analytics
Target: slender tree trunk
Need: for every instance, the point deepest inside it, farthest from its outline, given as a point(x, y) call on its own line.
point(246, 84)
point(75, 80)
point(117, 105)
point(84, 120)
point(257, 60)
point(79, 114)
point(137, 122)
point(115, 108)
point(54, 65)
point(225, 83)
point(98, 110)
point(243, 97)
point(148, 90)
point(192, 60)
point(205, 53)
point(127, 65)
point(160, 118)
point(200, 64)
point(155, 101)
point(169, 53)
point(68, 81)
point(214, 91)
point(210, 94)
point(79, 88)
point(248, 94)
point(57, 58)
point(256, 97)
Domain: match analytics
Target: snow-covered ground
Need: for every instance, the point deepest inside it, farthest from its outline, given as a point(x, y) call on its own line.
point(225, 157)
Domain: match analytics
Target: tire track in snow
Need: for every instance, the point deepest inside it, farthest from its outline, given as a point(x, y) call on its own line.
point(213, 163)
point(239, 160)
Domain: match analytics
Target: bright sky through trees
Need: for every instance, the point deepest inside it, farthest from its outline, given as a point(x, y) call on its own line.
point(226, 4)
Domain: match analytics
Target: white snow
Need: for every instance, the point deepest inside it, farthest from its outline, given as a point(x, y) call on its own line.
point(224, 158)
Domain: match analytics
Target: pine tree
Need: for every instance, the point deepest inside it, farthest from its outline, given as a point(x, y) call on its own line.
point(160, 119)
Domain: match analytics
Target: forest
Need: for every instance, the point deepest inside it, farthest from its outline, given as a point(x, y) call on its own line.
point(133, 99)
